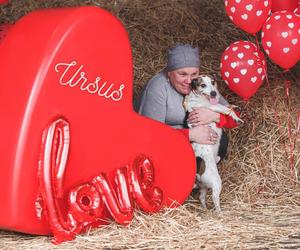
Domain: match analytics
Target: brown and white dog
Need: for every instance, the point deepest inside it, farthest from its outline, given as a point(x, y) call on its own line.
point(204, 93)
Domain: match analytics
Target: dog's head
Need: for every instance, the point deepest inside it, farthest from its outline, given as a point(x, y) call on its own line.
point(206, 85)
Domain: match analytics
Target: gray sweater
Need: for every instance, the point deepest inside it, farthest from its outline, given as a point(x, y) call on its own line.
point(161, 102)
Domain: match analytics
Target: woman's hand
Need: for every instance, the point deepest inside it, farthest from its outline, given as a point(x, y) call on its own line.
point(203, 135)
point(202, 116)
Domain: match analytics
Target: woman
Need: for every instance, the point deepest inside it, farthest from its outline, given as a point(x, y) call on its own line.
point(162, 98)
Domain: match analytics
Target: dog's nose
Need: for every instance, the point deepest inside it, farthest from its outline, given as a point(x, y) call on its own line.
point(213, 93)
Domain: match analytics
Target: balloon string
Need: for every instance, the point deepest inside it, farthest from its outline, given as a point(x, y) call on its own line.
point(287, 85)
point(263, 65)
point(247, 117)
point(267, 81)
point(294, 142)
point(292, 137)
point(256, 40)
point(289, 149)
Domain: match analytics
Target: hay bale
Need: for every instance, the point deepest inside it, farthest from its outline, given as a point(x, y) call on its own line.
point(260, 193)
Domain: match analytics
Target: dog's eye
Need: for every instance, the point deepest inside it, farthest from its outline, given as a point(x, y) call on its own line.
point(213, 82)
point(203, 85)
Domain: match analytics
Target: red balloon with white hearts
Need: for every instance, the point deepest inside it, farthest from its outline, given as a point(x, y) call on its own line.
point(243, 68)
point(249, 15)
point(280, 5)
point(280, 38)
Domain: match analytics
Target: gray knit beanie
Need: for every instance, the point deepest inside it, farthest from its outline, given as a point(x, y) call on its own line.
point(182, 56)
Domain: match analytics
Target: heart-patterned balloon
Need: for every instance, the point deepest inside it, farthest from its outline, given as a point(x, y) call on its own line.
point(249, 15)
point(76, 63)
point(288, 5)
point(297, 11)
point(280, 38)
point(243, 68)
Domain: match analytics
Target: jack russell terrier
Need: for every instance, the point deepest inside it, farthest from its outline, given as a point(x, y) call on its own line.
point(204, 93)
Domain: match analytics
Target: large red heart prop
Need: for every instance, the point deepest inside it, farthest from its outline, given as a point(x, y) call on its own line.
point(76, 64)
point(4, 28)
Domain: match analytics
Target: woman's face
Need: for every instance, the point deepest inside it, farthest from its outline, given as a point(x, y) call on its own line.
point(181, 79)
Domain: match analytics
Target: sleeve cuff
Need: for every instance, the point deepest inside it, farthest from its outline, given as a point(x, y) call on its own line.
point(185, 132)
point(226, 121)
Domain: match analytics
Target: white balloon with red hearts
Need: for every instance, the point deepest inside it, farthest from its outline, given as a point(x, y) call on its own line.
point(280, 38)
point(243, 68)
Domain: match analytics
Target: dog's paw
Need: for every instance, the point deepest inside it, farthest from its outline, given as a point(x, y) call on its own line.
point(217, 210)
point(236, 118)
point(232, 106)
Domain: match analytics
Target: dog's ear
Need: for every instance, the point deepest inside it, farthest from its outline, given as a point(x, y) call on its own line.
point(194, 84)
point(216, 77)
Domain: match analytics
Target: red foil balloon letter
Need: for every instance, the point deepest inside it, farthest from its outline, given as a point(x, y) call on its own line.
point(87, 202)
